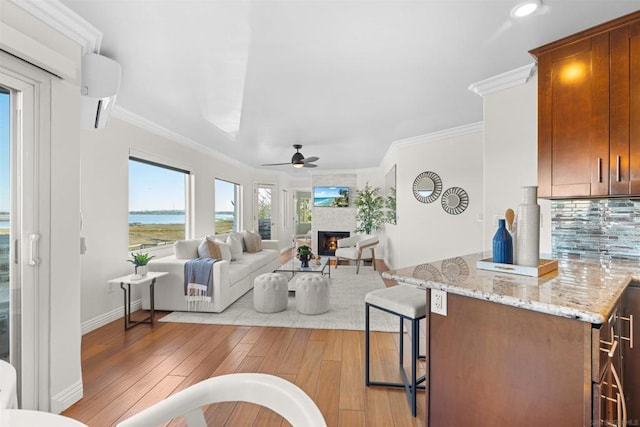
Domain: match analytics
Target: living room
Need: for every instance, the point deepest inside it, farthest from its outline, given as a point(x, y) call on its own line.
point(87, 183)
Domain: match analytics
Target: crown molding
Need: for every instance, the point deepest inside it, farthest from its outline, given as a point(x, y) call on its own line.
point(141, 122)
point(431, 137)
point(66, 21)
point(504, 81)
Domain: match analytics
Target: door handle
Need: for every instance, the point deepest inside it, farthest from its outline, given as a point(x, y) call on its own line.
point(33, 249)
point(618, 168)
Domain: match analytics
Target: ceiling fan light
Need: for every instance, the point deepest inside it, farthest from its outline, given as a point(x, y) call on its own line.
point(525, 9)
point(298, 165)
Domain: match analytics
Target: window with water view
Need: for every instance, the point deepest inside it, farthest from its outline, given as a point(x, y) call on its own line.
point(227, 196)
point(157, 200)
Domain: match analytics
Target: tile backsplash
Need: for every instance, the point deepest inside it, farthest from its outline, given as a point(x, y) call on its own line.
point(601, 228)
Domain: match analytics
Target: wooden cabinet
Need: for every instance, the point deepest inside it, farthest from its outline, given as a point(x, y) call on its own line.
point(589, 112)
point(625, 110)
point(495, 365)
point(573, 119)
point(490, 364)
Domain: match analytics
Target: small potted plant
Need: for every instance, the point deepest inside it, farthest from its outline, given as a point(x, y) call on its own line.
point(304, 255)
point(140, 261)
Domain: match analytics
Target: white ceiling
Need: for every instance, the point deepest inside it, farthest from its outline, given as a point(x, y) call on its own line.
point(343, 78)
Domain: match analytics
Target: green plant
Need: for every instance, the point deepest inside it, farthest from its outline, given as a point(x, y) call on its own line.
point(391, 206)
point(140, 258)
point(304, 250)
point(369, 209)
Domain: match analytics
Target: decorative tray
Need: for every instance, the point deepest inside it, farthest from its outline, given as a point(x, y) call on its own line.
point(545, 266)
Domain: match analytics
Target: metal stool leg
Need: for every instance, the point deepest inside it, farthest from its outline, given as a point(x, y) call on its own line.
point(412, 385)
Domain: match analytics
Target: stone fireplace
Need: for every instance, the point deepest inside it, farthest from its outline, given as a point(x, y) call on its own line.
point(328, 241)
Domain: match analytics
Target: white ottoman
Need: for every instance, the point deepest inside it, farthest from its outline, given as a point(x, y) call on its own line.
point(312, 294)
point(270, 293)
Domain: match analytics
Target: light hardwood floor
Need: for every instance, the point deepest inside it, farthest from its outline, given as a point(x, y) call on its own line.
point(124, 372)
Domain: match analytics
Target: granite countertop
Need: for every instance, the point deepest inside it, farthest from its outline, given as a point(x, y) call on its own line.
point(582, 289)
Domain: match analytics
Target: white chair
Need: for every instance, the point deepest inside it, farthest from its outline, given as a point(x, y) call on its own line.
point(275, 393)
point(357, 248)
point(8, 383)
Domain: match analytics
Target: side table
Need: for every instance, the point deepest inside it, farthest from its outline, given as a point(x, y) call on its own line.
point(125, 285)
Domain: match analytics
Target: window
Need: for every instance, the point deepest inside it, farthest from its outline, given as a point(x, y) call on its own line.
point(157, 200)
point(227, 206)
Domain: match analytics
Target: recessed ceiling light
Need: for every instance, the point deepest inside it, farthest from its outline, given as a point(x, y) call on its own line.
point(525, 9)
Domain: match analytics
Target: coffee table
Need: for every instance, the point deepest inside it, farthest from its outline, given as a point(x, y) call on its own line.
point(293, 267)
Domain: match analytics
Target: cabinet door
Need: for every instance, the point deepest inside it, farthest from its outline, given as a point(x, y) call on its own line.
point(634, 115)
point(631, 356)
point(625, 111)
point(573, 119)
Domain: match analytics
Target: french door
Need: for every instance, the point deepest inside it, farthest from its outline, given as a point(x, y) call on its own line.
point(24, 292)
point(264, 211)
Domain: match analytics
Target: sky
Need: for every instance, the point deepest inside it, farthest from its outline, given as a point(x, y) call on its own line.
point(155, 188)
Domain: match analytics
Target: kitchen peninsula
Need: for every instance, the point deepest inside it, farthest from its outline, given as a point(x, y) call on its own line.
point(530, 351)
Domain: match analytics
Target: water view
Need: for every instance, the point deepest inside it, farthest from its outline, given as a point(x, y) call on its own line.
point(158, 228)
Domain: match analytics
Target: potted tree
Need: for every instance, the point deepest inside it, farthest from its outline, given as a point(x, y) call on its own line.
point(140, 261)
point(370, 212)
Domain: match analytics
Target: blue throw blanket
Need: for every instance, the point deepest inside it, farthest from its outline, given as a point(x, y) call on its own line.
point(197, 281)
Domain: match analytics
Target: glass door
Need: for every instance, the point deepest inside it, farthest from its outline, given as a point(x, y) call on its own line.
point(24, 262)
point(5, 220)
point(264, 204)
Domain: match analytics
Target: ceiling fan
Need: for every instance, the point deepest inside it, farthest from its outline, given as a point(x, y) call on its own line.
point(298, 160)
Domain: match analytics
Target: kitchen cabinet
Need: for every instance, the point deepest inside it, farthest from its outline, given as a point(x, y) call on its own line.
point(589, 112)
point(573, 119)
point(625, 110)
point(496, 365)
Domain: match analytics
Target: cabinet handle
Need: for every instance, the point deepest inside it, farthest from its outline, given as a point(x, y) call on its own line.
point(618, 168)
point(630, 337)
point(611, 350)
point(622, 404)
point(599, 169)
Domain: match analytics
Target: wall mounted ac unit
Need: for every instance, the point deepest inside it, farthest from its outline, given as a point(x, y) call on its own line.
point(99, 87)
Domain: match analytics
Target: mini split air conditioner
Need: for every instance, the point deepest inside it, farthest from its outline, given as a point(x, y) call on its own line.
point(99, 87)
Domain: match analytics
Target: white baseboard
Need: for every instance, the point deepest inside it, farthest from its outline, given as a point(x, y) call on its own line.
point(66, 398)
point(103, 319)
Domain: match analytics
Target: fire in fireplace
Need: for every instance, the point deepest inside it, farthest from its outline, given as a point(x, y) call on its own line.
point(328, 241)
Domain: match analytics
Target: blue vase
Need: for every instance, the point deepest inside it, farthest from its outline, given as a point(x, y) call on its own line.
point(502, 245)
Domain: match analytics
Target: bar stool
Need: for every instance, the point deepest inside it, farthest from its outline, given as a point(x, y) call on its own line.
point(408, 303)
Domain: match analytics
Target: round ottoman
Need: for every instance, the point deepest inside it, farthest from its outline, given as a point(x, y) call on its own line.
point(270, 293)
point(312, 294)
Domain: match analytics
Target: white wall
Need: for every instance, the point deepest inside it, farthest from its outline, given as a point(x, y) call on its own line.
point(425, 232)
point(105, 204)
point(511, 156)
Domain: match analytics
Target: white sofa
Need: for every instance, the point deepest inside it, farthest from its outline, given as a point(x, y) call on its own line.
point(230, 279)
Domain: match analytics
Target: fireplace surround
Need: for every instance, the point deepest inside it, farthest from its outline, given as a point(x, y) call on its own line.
point(328, 241)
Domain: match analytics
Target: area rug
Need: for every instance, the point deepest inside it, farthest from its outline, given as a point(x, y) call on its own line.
point(346, 296)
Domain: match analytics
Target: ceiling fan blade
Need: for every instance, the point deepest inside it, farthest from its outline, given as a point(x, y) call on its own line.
point(276, 164)
point(309, 165)
point(310, 159)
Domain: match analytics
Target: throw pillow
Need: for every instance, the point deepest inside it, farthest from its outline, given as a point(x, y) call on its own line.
point(240, 236)
point(236, 246)
point(253, 241)
point(214, 249)
point(225, 250)
point(203, 249)
point(186, 249)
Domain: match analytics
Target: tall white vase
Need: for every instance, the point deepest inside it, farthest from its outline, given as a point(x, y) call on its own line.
point(528, 228)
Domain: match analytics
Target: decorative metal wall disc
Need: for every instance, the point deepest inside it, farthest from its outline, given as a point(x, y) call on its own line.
point(455, 200)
